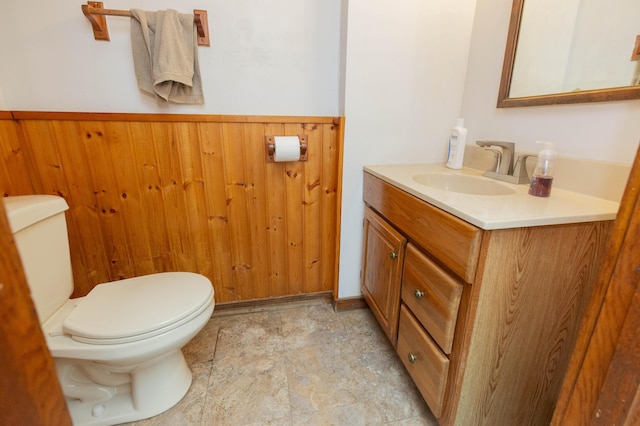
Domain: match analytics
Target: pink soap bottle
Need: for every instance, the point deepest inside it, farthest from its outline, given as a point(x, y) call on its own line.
point(543, 173)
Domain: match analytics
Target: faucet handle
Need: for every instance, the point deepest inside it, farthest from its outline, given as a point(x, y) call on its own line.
point(520, 168)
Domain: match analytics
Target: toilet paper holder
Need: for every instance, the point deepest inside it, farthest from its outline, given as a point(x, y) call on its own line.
point(271, 147)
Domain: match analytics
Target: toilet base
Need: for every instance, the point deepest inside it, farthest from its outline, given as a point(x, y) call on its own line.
point(99, 395)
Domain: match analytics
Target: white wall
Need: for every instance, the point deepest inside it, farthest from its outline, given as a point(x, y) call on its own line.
point(600, 131)
point(406, 64)
point(267, 57)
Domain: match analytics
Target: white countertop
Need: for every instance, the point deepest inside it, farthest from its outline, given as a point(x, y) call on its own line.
point(498, 211)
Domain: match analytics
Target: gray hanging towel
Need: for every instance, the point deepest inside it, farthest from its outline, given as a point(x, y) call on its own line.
point(165, 55)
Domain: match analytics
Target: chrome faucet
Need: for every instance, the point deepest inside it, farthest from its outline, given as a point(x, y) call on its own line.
point(507, 171)
point(508, 150)
point(498, 154)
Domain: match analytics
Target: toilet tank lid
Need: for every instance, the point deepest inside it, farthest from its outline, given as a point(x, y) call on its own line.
point(26, 210)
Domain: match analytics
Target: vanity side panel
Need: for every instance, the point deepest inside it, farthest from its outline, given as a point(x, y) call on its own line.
point(452, 241)
point(532, 289)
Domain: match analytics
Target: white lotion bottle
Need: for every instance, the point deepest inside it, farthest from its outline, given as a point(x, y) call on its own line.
point(457, 140)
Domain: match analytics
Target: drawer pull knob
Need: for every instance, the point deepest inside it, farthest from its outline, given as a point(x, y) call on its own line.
point(412, 358)
point(418, 294)
point(393, 255)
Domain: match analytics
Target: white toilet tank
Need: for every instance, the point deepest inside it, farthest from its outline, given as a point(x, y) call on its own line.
point(40, 231)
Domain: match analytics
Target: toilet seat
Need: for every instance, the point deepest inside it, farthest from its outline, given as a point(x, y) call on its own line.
point(138, 308)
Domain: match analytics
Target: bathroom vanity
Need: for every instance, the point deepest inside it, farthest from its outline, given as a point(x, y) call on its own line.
point(480, 293)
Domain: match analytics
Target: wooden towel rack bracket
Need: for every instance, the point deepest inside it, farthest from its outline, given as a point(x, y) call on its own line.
point(95, 13)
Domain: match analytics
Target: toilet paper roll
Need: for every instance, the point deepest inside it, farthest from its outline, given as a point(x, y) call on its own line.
point(287, 148)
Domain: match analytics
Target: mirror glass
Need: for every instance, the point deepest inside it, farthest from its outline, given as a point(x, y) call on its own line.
point(571, 51)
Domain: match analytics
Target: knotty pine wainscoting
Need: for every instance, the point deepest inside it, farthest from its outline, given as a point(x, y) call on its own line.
point(154, 192)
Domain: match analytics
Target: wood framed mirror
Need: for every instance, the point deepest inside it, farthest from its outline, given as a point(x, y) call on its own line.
point(555, 64)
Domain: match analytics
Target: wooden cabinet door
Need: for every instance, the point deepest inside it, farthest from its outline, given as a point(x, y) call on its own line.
point(383, 256)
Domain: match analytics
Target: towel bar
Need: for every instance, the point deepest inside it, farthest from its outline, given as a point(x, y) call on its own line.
point(95, 13)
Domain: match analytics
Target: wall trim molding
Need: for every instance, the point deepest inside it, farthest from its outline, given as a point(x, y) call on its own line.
point(264, 304)
point(349, 303)
point(257, 305)
point(200, 118)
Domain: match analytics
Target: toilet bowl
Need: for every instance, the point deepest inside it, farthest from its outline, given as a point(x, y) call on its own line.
point(117, 351)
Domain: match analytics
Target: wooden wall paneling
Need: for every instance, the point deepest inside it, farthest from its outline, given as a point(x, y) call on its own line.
point(241, 253)
point(14, 175)
point(41, 141)
point(276, 208)
point(90, 264)
point(256, 191)
point(211, 138)
point(127, 187)
point(112, 184)
point(44, 158)
point(328, 215)
point(195, 195)
point(173, 203)
point(331, 160)
point(150, 195)
point(294, 188)
point(109, 138)
point(312, 209)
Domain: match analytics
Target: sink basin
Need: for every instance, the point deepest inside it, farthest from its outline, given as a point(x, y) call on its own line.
point(464, 184)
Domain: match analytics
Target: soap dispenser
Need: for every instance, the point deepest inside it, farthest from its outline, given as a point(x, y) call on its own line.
point(543, 173)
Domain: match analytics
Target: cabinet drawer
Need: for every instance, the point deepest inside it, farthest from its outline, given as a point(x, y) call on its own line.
point(433, 295)
point(452, 241)
point(426, 364)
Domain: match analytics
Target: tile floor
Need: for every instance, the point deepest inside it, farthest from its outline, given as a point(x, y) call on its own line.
point(295, 365)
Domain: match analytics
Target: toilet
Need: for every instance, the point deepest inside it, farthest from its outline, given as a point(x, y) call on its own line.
point(117, 351)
